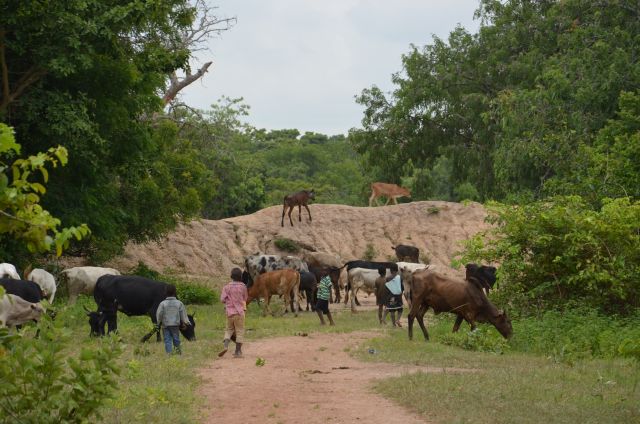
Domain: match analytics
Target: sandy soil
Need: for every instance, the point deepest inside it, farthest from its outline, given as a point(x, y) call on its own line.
point(209, 249)
point(305, 379)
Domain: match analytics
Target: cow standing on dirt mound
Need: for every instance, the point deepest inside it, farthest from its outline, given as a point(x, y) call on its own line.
point(404, 252)
point(259, 264)
point(390, 191)
point(299, 199)
point(283, 282)
point(432, 290)
point(133, 296)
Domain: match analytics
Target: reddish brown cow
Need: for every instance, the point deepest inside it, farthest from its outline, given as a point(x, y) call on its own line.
point(283, 282)
point(467, 300)
point(390, 191)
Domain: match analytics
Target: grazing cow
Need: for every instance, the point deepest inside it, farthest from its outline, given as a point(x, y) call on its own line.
point(407, 253)
point(28, 290)
point(283, 282)
point(432, 290)
point(133, 296)
point(333, 273)
point(14, 310)
point(363, 279)
point(390, 191)
point(8, 271)
point(258, 264)
point(485, 275)
point(44, 279)
point(308, 286)
point(299, 199)
point(82, 279)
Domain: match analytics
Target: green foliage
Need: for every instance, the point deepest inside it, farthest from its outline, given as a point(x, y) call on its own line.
point(560, 252)
point(287, 245)
point(22, 217)
point(369, 253)
point(516, 109)
point(482, 339)
point(43, 384)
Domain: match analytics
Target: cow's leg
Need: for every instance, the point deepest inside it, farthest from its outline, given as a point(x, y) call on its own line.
point(284, 209)
point(380, 314)
point(456, 326)
point(420, 317)
point(290, 210)
point(309, 212)
point(395, 200)
point(372, 198)
point(388, 201)
point(265, 308)
point(300, 213)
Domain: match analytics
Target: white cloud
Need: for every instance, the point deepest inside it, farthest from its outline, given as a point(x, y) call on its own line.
point(299, 63)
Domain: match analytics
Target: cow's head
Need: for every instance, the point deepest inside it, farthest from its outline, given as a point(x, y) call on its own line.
point(189, 331)
point(312, 194)
point(503, 324)
point(97, 321)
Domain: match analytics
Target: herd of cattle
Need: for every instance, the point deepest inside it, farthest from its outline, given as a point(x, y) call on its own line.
point(265, 276)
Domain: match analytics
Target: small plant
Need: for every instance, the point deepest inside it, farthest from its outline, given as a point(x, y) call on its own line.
point(369, 252)
point(287, 245)
point(260, 362)
point(433, 210)
point(144, 271)
point(425, 259)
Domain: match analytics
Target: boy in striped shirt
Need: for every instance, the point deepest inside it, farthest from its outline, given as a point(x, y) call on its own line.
point(322, 305)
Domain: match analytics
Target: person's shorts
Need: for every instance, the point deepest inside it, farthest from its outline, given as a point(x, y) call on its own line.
point(322, 305)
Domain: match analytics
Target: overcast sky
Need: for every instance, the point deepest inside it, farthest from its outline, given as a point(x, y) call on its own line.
point(299, 63)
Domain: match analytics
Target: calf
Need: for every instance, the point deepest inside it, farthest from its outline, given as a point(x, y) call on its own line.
point(482, 274)
point(133, 296)
point(385, 266)
point(44, 279)
point(82, 279)
point(432, 290)
point(283, 282)
point(14, 311)
point(390, 191)
point(407, 253)
point(363, 279)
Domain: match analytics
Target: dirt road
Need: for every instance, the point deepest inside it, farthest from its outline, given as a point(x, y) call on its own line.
point(309, 380)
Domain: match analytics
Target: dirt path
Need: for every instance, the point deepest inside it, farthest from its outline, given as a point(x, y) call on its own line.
point(309, 379)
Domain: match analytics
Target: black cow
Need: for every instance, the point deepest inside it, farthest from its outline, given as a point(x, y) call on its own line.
point(133, 296)
point(380, 266)
point(28, 290)
point(482, 274)
point(407, 253)
point(308, 285)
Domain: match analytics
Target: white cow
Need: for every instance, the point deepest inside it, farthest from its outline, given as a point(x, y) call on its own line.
point(8, 271)
point(362, 279)
point(82, 279)
point(406, 270)
point(45, 280)
point(14, 310)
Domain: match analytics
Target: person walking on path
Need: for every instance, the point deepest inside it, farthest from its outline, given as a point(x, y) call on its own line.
point(171, 314)
point(234, 296)
point(322, 305)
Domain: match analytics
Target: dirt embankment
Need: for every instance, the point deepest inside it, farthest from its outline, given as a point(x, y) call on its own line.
point(209, 249)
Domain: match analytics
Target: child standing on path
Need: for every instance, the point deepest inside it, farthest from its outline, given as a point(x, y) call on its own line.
point(322, 305)
point(234, 296)
point(170, 315)
point(393, 302)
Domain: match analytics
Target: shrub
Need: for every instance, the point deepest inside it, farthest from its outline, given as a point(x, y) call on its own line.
point(287, 245)
point(560, 252)
point(41, 383)
point(482, 339)
point(369, 252)
point(144, 271)
point(188, 292)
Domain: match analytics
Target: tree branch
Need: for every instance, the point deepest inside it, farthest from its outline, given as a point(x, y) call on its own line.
point(177, 85)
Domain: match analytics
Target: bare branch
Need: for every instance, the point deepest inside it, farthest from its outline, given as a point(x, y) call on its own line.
point(177, 85)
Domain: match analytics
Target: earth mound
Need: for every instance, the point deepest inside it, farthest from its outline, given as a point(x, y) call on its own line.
point(209, 249)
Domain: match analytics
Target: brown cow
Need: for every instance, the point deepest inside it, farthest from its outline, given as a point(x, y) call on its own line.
point(465, 299)
point(390, 191)
point(283, 282)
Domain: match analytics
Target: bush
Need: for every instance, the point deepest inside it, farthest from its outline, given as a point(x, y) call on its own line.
point(482, 339)
point(42, 384)
point(370, 252)
point(287, 245)
point(560, 252)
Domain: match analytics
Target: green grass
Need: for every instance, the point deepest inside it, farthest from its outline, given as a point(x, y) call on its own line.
point(154, 387)
point(505, 388)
